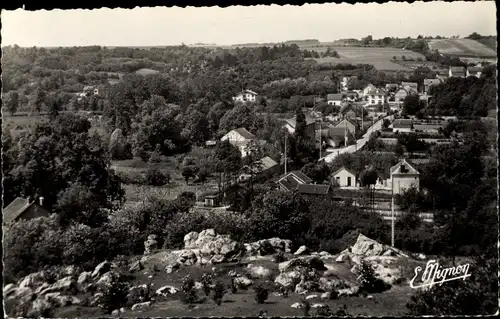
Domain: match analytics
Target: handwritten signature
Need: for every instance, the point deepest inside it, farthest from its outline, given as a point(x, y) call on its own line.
point(434, 274)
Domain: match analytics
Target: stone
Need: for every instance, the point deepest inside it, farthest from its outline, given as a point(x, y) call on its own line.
point(136, 266)
point(62, 300)
point(352, 291)
point(62, 285)
point(171, 268)
point(242, 282)
point(318, 305)
point(421, 256)
point(297, 305)
point(69, 270)
point(33, 280)
point(8, 289)
point(311, 297)
point(21, 294)
point(326, 284)
point(115, 312)
point(150, 245)
point(107, 278)
point(190, 240)
point(341, 258)
point(198, 285)
point(369, 297)
point(39, 307)
point(258, 271)
point(84, 277)
point(305, 262)
point(167, 291)
point(94, 300)
point(141, 306)
point(232, 273)
point(365, 246)
point(122, 310)
point(288, 279)
point(101, 269)
point(326, 295)
point(301, 251)
point(217, 259)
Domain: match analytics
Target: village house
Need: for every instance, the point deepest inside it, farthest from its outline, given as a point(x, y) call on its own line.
point(457, 71)
point(348, 124)
point(345, 178)
point(376, 97)
point(246, 96)
point(336, 136)
point(351, 96)
point(411, 86)
point(242, 139)
point(404, 176)
point(348, 112)
point(264, 168)
point(402, 126)
point(310, 130)
point(428, 83)
point(344, 84)
point(391, 87)
point(442, 75)
point(474, 71)
point(23, 209)
point(298, 181)
point(334, 99)
point(400, 95)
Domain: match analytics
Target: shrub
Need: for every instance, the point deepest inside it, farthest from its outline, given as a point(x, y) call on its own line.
point(342, 312)
point(334, 294)
point(155, 177)
point(306, 307)
point(234, 289)
point(219, 292)
point(206, 281)
point(324, 311)
point(261, 294)
point(283, 290)
point(188, 292)
point(114, 295)
point(368, 282)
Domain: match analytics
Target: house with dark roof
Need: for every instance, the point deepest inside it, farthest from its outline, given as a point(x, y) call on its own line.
point(410, 86)
point(474, 71)
point(348, 112)
point(334, 99)
point(345, 178)
point(404, 176)
point(457, 71)
point(402, 125)
point(310, 130)
point(265, 167)
point(428, 83)
point(242, 139)
point(23, 209)
point(349, 125)
point(298, 181)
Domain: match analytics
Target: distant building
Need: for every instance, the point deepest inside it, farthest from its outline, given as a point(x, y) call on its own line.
point(391, 87)
point(310, 130)
point(246, 96)
point(428, 83)
point(404, 176)
point(298, 181)
point(348, 112)
point(23, 209)
point(442, 75)
point(351, 96)
point(376, 97)
point(367, 89)
point(348, 124)
point(411, 85)
point(474, 71)
point(402, 126)
point(334, 99)
point(457, 71)
point(265, 167)
point(402, 93)
point(345, 178)
point(241, 138)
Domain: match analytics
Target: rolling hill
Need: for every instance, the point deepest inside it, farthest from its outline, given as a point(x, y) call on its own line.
point(462, 48)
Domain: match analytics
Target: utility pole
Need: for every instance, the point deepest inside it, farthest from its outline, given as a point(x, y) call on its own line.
point(320, 141)
point(392, 211)
point(285, 152)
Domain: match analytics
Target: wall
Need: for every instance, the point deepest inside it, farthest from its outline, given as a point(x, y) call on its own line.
point(343, 178)
point(402, 182)
point(34, 211)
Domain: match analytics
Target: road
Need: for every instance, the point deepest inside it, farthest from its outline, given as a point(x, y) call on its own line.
point(359, 143)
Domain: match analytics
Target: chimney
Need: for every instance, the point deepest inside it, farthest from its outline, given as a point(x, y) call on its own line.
point(41, 200)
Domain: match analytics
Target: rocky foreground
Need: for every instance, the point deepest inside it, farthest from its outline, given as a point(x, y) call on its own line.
point(302, 272)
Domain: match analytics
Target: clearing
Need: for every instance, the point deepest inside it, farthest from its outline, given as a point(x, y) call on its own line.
point(462, 48)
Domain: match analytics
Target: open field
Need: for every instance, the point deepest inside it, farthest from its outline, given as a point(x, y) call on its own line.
point(462, 48)
point(380, 58)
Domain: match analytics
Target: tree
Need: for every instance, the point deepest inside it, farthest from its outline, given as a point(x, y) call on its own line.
point(242, 115)
point(40, 99)
point(227, 162)
point(188, 168)
point(368, 178)
point(195, 126)
point(412, 104)
point(12, 102)
point(319, 173)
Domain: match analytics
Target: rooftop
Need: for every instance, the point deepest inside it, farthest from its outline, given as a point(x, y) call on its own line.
point(245, 133)
point(15, 209)
point(313, 189)
point(334, 97)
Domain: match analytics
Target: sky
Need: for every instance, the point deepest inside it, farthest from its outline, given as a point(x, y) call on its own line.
point(162, 26)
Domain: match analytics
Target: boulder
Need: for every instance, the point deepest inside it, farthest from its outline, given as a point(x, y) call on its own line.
point(352, 291)
point(115, 312)
point(84, 277)
point(171, 268)
point(258, 271)
point(318, 305)
point(421, 256)
point(141, 306)
point(204, 237)
point(65, 284)
point(69, 271)
point(297, 305)
point(311, 297)
point(190, 240)
point(33, 280)
point(187, 257)
point(301, 251)
point(305, 286)
point(94, 300)
point(167, 291)
point(365, 246)
point(326, 295)
point(8, 289)
point(242, 282)
point(198, 285)
point(122, 310)
point(261, 246)
point(217, 259)
point(341, 258)
point(301, 263)
point(101, 269)
point(21, 294)
point(107, 278)
point(61, 300)
point(288, 279)
point(136, 266)
point(150, 245)
point(39, 307)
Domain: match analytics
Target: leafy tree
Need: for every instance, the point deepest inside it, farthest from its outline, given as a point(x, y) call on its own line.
point(219, 292)
point(261, 294)
point(227, 162)
point(319, 173)
point(242, 115)
point(11, 101)
point(188, 292)
point(188, 168)
point(156, 178)
point(412, 104)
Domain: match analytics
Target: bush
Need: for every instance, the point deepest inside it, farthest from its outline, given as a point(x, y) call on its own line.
point(334, 294)
point(155, 177)
point(306, 307)
point(114, 295)
point(368, 282)
point(342, 312)
point(206, 281)
point(219, 292)
point(188, 292)
point(234, 289)
point(261, 294)
point(324, 312)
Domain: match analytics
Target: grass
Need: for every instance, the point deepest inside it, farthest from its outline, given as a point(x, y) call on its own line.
point(462, 47)
point(390, 303)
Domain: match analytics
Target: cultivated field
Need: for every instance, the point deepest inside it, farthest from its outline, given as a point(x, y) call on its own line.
point(462, 48)
point(380, 58)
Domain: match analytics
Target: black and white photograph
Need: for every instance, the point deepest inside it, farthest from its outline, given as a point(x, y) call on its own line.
point(315, 160)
